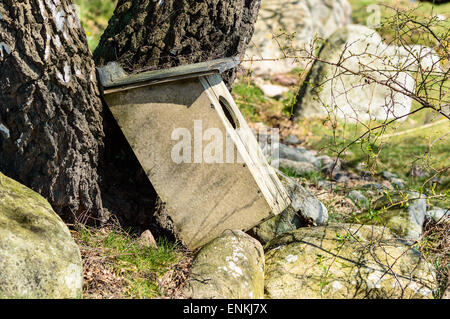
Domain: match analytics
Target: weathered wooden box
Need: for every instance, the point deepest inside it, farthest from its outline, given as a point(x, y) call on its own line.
point(171, 119)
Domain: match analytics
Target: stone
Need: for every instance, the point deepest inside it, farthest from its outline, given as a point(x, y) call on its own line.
point(446, 107)
point(147, 240)
point(285, 79)
point(388, 175)
point(229, 267)
point(359, 199)
point(330, 165)
point(414, 58)
point(365, 175)
point(38, 257)
point(417, 172)
point(438, 215)
point(300, 21)
point(327, 185)
point(297, 154)
point(343, 261)
point(394, 181)
point(292, 140)
point(269, 89)
point(343, 91)
point(354, 176)
point(374, 186)
point(341, 178)
point(402, 213)
point(299, 168)
point(361, 167)
point(387, 185)
point(398, 183)
point(305, 209)
point(305, 204)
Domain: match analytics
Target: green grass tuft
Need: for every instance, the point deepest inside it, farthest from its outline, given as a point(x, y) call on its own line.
point(140, 267)
point(94, 16)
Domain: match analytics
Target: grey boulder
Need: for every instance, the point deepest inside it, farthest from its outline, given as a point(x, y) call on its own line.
point(359, 199)
point(299, 168)
point(297, 154)
point(38, 256)
point(355, 80)
point(403, 213)
point(438, 215)
point(229, 267)
point(342, 261)
point(305, 209)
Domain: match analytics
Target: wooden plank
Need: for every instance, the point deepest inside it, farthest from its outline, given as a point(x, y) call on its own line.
point(114, 79)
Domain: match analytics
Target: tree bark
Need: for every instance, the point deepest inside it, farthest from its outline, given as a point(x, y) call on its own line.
point(151, 34)
point(51, 131)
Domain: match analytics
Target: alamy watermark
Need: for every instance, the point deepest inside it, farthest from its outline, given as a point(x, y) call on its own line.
point(215, 146)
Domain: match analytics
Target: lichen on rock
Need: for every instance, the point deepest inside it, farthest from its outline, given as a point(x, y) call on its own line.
point(360, 80)
point(345, 261)
point(230, 266)
point(38, 257)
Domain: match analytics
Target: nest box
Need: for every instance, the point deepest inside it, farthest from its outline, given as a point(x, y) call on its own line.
point(170, 118)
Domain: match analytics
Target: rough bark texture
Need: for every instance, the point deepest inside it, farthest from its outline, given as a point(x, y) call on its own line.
point(151, 34)
point(51, 131)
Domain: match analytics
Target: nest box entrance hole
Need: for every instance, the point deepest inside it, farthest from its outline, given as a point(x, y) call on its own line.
point(229, 113)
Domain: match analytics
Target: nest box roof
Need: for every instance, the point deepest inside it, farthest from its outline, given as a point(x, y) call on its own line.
point(114, 79)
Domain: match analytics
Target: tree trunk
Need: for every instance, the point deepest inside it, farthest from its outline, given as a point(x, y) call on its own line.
point(51, 131)
point(145, 35)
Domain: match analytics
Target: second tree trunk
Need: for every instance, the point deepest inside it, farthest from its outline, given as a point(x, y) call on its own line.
point(145, 35)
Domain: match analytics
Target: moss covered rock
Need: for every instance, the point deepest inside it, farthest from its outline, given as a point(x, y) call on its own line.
point(345, 261)
point(305, 209)
point(229, 267)
point(403, 213)
point(38, 257)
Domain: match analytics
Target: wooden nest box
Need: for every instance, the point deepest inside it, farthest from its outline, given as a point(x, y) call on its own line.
point(173, 120)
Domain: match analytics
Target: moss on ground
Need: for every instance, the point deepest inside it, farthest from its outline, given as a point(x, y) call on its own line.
point(116, 265)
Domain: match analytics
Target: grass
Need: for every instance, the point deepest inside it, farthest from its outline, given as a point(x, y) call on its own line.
point(94, 16)
point(311, 177)
point(429, 146)
point(250, 99)
point(116, 265)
